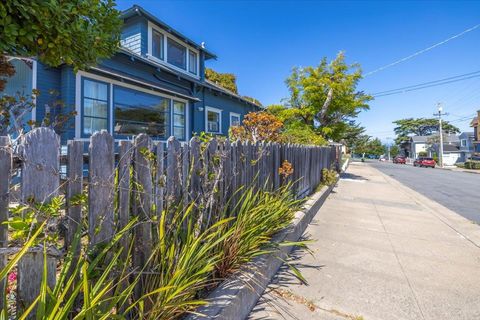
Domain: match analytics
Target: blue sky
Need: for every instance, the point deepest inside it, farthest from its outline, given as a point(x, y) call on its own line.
point(260, 41)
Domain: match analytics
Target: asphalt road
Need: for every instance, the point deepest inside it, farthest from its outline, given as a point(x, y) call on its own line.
point(458, 191)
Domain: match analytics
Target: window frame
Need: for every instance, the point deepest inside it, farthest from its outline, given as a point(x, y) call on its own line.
point(162, 45)
point(195, 64)
point(172, 102)
point(82, 105)
point(152, 27)
point(219, 112)
point(111, 82)
point(234, 114)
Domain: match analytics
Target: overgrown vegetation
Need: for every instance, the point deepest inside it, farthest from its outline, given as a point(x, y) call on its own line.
point(472, 164)
point(329, 176)
point(95, 283)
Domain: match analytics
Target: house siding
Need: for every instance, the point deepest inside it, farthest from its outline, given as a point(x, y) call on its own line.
point(227, 104)
point(48, 83)
point(134, 36)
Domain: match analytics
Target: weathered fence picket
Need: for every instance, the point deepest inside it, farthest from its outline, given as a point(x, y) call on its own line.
point(5, 173)
point(147, 181)
point(40, 152)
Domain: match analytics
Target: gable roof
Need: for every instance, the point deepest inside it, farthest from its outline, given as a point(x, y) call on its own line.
point(424, 139)
point(136, 10)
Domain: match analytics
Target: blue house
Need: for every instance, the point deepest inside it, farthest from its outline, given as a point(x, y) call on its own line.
point(154, 84)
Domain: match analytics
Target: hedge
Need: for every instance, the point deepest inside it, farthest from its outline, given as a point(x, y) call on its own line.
point(472, 164)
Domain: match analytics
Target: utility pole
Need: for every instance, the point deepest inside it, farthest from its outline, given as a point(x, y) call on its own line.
point(440, 132)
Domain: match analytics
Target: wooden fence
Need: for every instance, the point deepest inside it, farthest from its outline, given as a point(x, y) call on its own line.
point(160, 175)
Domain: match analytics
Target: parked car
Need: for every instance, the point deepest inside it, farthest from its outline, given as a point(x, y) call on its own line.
point(400, 159)
point(424, 162)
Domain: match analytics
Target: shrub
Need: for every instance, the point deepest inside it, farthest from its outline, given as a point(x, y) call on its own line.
point(472, 164)
point(329, 176)
point(259, 215)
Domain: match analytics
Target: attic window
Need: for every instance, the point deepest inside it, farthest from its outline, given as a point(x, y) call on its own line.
point(192, 62)
point(176, 54)
point(157, 45)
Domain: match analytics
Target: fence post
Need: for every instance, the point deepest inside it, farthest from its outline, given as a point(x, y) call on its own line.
point(6, 174)
point(40, 152)
point(159, 179)
point(124, 165)
point(101, 188)
point(74, 188)
point(173, 173)
point(142, 206)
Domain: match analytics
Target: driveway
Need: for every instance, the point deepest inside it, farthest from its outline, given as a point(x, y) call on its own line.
point(380, 251)
point(458, 191)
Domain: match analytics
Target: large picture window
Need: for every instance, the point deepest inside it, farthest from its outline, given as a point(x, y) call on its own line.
point(176, 54)
point(179, 120)
point(137, 112)
point(95, 106)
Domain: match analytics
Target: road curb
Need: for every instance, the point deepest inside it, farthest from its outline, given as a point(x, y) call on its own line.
point(234, 298)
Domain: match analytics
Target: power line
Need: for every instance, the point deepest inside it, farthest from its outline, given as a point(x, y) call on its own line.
point(428, 84)
point(421, 51)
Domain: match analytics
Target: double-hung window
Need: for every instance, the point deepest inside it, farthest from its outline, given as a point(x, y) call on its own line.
point(139, 112)
point(192, 62)
point(234, 119)
point(157, 44)
point(213, 120)
point(176, 54)
point(95, 104)
point(179, 120)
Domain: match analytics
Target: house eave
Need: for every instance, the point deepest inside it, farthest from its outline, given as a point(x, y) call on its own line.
point(136, 10)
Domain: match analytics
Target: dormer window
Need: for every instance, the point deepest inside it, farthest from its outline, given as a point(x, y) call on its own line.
point(176, 54)
point(192, 59)
point(157, 45)
point(164, 48)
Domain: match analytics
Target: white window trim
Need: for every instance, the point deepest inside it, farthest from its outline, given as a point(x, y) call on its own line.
point(216, 110)
point(235, 115)
point(112, 82)
point(164, 62)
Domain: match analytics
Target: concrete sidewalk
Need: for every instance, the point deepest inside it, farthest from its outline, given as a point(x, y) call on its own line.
point(381, 251)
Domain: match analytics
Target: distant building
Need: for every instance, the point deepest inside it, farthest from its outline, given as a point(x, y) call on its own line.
point(418, 144)
point(476, 132)
point(466, 145)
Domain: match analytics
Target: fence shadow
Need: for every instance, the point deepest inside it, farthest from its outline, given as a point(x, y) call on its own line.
point(351, 176)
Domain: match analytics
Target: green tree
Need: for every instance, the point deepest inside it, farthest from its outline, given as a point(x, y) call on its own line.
point(369, 146)
point(394, 150)
point(225, 80)
point(74, 32)
point(419, 127)
point(325, 97)
point(294, 129)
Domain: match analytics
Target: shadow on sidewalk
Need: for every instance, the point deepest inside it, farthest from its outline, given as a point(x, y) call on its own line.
point(351, 176)
point(274, 295)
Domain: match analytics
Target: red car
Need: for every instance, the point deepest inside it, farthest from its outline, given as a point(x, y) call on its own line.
point(399, 159)
point(424, 162)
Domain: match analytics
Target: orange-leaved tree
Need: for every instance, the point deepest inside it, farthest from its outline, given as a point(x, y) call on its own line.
point(258, 126)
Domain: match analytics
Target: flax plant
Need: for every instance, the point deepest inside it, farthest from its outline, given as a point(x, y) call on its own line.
point(259, 215)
